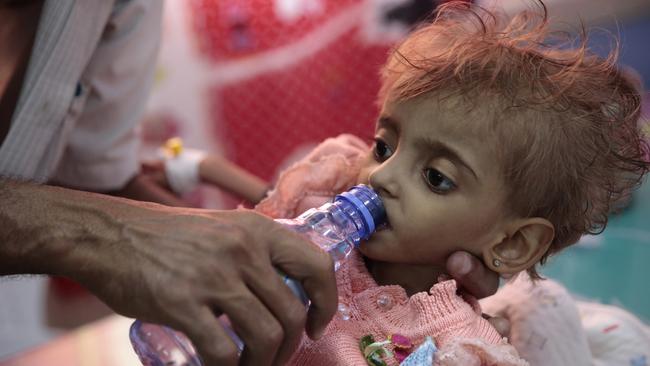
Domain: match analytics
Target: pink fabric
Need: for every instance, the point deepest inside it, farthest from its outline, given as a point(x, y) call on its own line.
point(331, 168)
point(549, 327)
point(459, 331)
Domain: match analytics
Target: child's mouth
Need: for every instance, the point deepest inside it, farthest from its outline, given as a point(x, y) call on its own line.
point(384, 226)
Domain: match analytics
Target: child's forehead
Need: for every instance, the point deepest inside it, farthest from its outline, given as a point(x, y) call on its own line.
point(455, 114)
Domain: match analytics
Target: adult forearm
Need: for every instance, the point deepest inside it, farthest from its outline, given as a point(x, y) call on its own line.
point(172, 265)
point(53, 230)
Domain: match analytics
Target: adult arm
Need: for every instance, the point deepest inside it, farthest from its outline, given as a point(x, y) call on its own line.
point(173, 266)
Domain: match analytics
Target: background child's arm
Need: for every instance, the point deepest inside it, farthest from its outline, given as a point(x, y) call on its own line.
point(224, 174)
point(145, 187)
point(181, 169)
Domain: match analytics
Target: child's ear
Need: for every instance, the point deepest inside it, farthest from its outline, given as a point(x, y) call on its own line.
point(530, 238)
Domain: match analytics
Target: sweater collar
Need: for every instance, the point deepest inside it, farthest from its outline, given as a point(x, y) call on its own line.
point(356, 278)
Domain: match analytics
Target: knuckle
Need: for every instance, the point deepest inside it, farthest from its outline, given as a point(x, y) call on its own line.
point(176, 302)
point(322, 262)
point(223, 353)
point(272, 336)
point(237, 235)
point(235, 244)
point(296, 320)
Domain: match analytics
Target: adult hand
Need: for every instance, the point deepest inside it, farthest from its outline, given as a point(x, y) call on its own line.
point(183, 267)
point(174, 266)
point(477, 280)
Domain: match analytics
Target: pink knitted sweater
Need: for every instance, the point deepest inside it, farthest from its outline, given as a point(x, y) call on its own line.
point(457, 328)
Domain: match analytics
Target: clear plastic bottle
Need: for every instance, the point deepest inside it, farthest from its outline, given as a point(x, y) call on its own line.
point(337, 227)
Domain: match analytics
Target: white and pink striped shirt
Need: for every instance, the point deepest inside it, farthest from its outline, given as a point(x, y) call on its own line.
point(83, 95)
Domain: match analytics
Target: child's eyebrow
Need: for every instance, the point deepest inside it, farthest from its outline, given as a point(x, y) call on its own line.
point(441, 149)
point(389, 123)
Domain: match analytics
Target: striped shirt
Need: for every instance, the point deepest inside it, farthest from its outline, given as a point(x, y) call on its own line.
point(83, 95)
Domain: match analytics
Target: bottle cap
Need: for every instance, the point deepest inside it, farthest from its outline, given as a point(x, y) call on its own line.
point(368, 203)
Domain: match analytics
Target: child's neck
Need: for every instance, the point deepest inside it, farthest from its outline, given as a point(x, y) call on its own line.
point(412, 277)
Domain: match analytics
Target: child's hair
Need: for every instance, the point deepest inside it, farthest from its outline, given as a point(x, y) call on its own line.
point(564, 122)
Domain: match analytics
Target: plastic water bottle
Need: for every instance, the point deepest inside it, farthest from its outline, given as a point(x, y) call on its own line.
point(337, 227)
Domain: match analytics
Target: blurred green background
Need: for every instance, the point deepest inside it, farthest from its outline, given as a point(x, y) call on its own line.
point(613, 267)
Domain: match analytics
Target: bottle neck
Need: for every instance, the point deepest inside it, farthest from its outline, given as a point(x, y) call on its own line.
point(365, 207)
point(354, 216)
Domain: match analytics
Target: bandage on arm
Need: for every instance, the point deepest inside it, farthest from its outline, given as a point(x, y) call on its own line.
point(185, 168)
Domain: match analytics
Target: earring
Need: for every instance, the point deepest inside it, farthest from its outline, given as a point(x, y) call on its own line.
point(496, 262)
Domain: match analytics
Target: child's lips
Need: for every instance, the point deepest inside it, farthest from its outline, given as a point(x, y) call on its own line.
point(384, 226)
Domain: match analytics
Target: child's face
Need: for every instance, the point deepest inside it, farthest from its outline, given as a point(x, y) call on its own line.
point(440, 182)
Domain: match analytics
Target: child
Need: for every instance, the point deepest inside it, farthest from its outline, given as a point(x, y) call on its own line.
point(488, 141)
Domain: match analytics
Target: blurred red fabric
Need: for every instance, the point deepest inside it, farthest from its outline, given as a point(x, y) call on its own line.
point(263, 119)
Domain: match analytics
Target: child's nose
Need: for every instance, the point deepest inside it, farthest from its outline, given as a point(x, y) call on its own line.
point(383, 181)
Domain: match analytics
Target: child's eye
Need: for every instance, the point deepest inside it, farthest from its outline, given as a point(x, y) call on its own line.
point(382, 150)
point(437, 181)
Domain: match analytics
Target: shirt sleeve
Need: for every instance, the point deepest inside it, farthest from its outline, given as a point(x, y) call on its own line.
point(102, 148)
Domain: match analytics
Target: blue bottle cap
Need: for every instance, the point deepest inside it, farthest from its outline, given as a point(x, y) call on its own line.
point(368, 203)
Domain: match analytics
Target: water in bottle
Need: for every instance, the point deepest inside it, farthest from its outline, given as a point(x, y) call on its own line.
point(337, 227)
